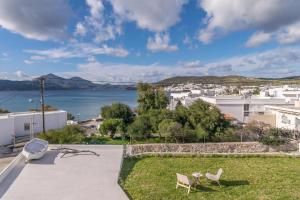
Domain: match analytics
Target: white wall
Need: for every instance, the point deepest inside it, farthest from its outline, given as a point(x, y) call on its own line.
point(292, 121)
point(16, 121)
point(6, 130)
point(236, 111)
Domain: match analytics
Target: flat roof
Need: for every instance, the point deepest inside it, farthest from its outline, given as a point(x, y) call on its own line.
point(285, 108)
point(13, 114)
point(80, 177)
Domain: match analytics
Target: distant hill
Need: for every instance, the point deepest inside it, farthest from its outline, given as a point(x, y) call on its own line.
point(54, 82)
point(229, 80)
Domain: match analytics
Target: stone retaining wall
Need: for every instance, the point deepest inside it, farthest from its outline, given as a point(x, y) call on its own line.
point(210, 148)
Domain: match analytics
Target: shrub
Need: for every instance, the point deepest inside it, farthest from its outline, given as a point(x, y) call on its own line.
point(140, 128)
point(201, 133)
point(163, 129)
point(274, 137)
point(66, 135)
point(111, 126)
point(228, 135)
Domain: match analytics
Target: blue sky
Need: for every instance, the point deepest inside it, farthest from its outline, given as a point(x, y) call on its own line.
point(141, 40)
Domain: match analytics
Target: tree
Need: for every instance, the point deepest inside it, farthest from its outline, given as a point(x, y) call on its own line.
point(163, 129)
point(150, 97)
point(181, 114)
point(118, 111)
point(3, 111)
point(201, 133)
point(156, 116)
point(208, 117)
point(111, 126)
point(140, 128)
point(176, 131)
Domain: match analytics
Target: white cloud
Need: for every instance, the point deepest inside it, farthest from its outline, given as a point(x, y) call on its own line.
point(160, 42)
point(290, 34)
point(268, 16)
point(258, 38)
point(101, 25)
point(273, 63)
point(154, 15)
point(36, 19)
point(80, 29)
point(3, 75)
point(21, 75)
point(28, 62)
point(206, 36)
point(128, 73)
point(75, 50)
point(191, 64)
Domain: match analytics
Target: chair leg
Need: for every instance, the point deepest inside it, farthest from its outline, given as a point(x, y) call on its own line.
point(189, 189)
point(176, 185)
point(219, 183)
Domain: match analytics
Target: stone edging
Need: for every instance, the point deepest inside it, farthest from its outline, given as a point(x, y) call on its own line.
point(207, 148)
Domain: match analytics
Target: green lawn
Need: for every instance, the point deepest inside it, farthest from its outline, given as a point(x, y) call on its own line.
point(243, 177)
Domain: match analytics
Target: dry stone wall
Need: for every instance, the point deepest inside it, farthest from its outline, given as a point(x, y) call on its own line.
point(206, 148)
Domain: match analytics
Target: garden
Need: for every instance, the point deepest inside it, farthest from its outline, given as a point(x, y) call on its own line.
point(244, 177)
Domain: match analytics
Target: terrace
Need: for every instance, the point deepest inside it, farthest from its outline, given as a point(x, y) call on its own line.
point(80, 176)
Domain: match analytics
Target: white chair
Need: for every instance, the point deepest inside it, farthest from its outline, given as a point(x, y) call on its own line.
point(213, 177)
point(183, 181)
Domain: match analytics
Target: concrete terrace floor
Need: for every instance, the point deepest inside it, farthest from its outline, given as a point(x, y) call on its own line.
point(73, 177)
point(4, 162)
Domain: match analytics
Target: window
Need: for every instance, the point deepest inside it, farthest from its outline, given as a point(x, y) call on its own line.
point(246, 107)
point(26, 126)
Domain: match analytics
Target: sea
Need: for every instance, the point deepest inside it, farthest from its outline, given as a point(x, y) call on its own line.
point(83, 104)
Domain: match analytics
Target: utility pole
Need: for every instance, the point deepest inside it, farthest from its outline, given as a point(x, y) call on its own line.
point(42, 88)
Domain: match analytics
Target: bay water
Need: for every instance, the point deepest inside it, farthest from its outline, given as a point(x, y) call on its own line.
point(84, 104)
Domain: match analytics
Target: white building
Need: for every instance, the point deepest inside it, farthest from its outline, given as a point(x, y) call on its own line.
point(282, 92)
point(24, 123)
point(239, 107)
point(287, 117)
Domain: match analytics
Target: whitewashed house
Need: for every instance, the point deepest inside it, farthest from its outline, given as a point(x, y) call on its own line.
point(239, 107)
point(26, 123)
point(287, 117)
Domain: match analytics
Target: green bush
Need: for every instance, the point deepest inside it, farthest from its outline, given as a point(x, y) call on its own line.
point(275, 137)
point(66, 135)
point(118, 111)
point(140, 128)
point(111, 126)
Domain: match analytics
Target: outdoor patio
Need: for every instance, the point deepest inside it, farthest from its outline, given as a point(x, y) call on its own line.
point(74, 176)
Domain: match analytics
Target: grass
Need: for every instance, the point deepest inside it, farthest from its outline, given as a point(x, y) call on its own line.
point(243, 178)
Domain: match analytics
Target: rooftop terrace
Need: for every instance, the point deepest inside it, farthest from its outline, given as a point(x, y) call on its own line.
point(73, 177)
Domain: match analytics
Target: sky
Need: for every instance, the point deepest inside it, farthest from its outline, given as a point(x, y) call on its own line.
point(142, 40)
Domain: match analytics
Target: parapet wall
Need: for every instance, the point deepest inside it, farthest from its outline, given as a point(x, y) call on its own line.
point(206, 148)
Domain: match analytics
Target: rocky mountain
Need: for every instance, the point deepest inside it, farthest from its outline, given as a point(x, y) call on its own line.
point(53, 82)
